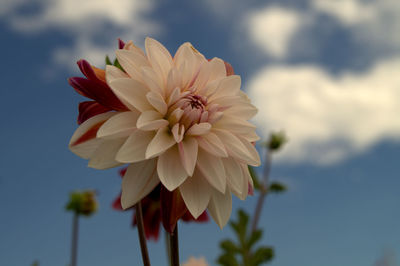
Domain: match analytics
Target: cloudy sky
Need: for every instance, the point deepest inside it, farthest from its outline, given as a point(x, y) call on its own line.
point(326, 72)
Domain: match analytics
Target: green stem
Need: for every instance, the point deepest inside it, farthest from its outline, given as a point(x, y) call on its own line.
point(74, 244)
point(141, 234)
point(263, 191)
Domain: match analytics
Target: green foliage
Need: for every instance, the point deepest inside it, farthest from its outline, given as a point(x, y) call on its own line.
point(115, 63)
point(35, 263)
point(277, 187)
point(254, 176)
point(276, 141)
point(244, 252)
point(82, 202)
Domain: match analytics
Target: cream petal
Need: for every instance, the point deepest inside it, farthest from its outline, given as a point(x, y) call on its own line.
point(188, 149)
point(212, 144)
point(237, 148)
point(174, 96)
point(175, 116)
point(104, 156)
point(132, 61)
point(84, 142)
point(234, 125)
point(234, 174)
point(196, 193)
point(120, 125)
point(199, 129)
point(212, 169)
point(202, 77)
point(250, 136)
point(135, 146)
point(139, 180)
point(252, 151)
point(113, 72)
point(218, 69)
point(162, 141)
point(170, 169)
point(152, 81)
point(178, 132)
point(132, 93)
point(220, 207)
point(157, 101)
point(229, 86)
point(242, 110)
point(151, 120)
point(174, 80)
point(159, 57)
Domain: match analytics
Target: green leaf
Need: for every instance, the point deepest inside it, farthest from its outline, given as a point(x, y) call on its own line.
point(254, 177)
point(263, 254)
point(277, 187)
point(108, 61)
point(116, 63)
point(254, 238)
point(241, 226)
point(227, 260)
point(229, 247)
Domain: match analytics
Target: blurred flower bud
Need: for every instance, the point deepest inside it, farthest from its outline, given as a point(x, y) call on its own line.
point(82, 202)
point(276, 140)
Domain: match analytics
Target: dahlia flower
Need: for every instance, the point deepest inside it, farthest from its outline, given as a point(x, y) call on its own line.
point(195, 262)
point(181, 121)
point(152, 214)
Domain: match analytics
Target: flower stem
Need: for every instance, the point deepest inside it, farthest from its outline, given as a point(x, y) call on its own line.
point(168, 247)
point(74, 244)
point(263, 190)
point(142, 238)
point(174, 247)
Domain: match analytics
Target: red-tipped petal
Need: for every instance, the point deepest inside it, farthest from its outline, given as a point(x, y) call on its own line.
point(229, 69)
point(117, 204)
point(121, 44)
point(89, 109)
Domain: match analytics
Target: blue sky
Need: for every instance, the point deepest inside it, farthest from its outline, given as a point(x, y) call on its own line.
point(326, 72)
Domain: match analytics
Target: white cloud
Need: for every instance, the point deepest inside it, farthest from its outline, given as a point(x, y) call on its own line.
point(272, 29)
point(375, 23)
point(328, 118)
point(86, 21)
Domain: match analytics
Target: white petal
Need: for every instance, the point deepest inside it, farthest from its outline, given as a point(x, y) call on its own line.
point(188, 151)
point(162, 141)
point(157, 101)
point(113, 72)
point(212, 169)
point(174, 96)
point(132, 93)
point(237, 148)
point(234, 174)
point(229, 86)
point(84, 142)
point(104, 156)
point(132, 61)
point(218, 69)
point(212, 144)
point(196, 193)
point(139, 180)
point(234, 125)
point(199, 129)
point(135, 146)
point(159, 57)
point(242, 110)
point(152, 81)
point(174, 80)
point(151, 120)
point(220, 207)
point(178, 132)
point(120, 125)
point(170, 169)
